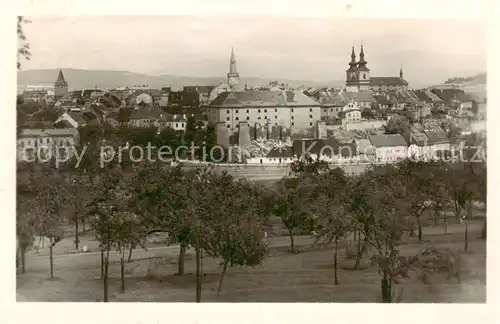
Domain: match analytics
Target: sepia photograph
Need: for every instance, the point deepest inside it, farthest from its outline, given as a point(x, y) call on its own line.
point(204, 158)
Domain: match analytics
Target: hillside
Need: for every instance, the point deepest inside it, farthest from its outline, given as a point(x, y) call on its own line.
point(471, 80)
point(79, 79)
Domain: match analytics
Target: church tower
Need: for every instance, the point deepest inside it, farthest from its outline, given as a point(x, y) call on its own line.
point(232, 77)
point(352, 74)
point(60, 86)
point(401, 72)
point(363, 72)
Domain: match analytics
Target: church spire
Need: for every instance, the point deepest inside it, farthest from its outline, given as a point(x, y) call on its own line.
point(401, 71)
point(232, 62)
point(233, 76)
point(60, 79)
point(353, 57)
point(362, 57)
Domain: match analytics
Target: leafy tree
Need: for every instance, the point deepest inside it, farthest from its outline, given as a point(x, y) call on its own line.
point(106, 206)
point(236, 226)
point(307, 165)
point(288, 200)
point(52, 198)
point(398, 125)
point(331, 217)
point(24, 47)
point(367, 113)
point(418, 180)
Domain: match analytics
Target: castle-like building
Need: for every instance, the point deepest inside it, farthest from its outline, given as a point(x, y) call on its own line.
point(358, 77)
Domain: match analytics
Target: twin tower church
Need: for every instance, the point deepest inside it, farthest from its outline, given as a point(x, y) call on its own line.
point(358, 77)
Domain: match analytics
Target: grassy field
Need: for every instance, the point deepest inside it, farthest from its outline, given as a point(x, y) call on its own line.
point(283, 277)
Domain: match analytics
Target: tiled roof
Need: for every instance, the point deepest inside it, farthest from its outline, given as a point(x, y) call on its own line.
point(432, 96)
point(147, 112)
point(361, 96)
point(437, 137)
point(297, 98)
point(421, 94)
point(382, 100)
point(387, 140)
point(388, 81)
point(336, 100)
point(49, 132)
point(364, 146)
point(249, 98)
point(77, 117)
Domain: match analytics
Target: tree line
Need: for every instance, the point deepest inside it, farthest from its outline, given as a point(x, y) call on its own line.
point(226, 218)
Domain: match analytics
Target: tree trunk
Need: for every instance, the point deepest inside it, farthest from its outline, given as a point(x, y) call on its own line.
point(102, 263)
point(223, 273)
point(360, 254)
point(419, 232)
point(466, 237)
point(386, 290)
point(129, 254)
point(23, 261)
point(38, 245)
point(335, 261)
point(51, 257)
point(122, 271)
point(76, 232)
point(436, 216)
point(292, 243)
point(198, 271)
point(182, 256)
point(445, 221)
point(106, 262)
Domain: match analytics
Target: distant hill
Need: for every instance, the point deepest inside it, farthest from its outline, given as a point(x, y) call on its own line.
point(471, 80)
point(87, 79)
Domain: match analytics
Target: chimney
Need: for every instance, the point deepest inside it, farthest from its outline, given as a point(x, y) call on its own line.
point(289, 96)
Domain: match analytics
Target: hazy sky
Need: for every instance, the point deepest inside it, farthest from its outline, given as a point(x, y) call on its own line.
point(293, 48)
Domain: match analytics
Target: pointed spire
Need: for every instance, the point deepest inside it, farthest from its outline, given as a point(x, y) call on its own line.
point(362, 56)
point(401, 71)
point(232, 62)
point(60, 78)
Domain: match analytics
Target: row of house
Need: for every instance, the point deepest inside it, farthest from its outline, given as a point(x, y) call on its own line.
point(386, 148)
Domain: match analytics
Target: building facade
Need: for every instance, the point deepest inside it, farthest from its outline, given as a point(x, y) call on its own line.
point(60, 86)
point(42, 144)
point(289, 109)
point(358, 77)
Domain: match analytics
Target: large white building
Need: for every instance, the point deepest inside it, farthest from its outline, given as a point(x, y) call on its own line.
point(41, 144)
point(289, 109)
point(389, 148)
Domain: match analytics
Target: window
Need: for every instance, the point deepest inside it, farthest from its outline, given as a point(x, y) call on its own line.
point(275, 117)
point(324, 110)
point(364, 75)
point(265, 110)
point(237, 118)
point(228, 111)
point(258, 110)
point(228, 119)
point(265, 117)
point(276, 124)
point(176, 125)
point(310, 116)
point(236, 111)
point(310, 109)
point(275, 110)
point(182, 125)
point(248, 118)
point(248, 111)
point(22, 143)
point(310, 124)
point(47, 140)
point(292, 117)
point(331, 109)
point(292, 109)
point(228, 126)
point(293, 124)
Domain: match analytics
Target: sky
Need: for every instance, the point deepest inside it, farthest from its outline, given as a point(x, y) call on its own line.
point(312, 48)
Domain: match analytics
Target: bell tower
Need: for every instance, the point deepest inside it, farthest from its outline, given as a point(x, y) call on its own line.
point(60, 86)
point(352, 74)
point(363, 72)
point(233, 77)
